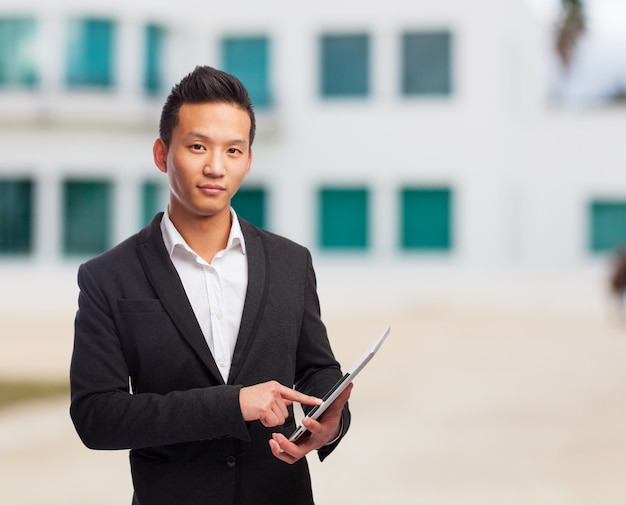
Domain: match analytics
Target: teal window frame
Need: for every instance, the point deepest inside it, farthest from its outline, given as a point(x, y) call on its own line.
point(426, 217)
point(87, 213)
point(345, 65)
point(251, 204)
point(17, 210)
point(90, 53)
point(18, 40)
point(153, 195)
point(248, 58)
point(607, 225)
point(427, 63)
point(153, 74)
point(343, 218)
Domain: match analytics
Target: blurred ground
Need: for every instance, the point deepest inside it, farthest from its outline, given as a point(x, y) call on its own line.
point(460, 407)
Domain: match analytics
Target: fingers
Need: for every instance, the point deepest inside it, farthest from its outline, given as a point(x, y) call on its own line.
point(290, 452)
point(319, 432)
point(267, 402)
point(275, 415)
point(286, 451)
point(295, 396)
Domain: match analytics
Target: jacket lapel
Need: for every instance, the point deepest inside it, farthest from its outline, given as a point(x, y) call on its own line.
point(164, 279)
point(255, 297)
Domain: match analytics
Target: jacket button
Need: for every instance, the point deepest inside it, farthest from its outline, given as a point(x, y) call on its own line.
point(231, 461)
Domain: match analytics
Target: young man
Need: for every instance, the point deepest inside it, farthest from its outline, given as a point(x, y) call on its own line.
point(191, 335)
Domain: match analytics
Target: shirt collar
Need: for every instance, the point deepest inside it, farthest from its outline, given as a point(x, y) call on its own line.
point(172, 237)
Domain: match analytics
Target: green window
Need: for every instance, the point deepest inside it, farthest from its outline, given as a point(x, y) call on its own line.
point(17, 52)
point(249, 203)
point(16, 216)
point(90, 53)
point(345, 65)
point(607, 225)
point(427, 63)
point(426, 217)
point(152, 199)
point(248, 59)
point(343, 222)
point(86, 217)
point(153, 81)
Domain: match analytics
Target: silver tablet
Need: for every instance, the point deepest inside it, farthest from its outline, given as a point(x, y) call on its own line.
point(336, 390)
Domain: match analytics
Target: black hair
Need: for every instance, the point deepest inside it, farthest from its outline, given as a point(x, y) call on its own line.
point(204, 85)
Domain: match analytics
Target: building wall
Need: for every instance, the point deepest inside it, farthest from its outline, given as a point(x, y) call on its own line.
point(521, 171)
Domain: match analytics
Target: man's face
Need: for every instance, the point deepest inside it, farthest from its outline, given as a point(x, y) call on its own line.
point(207, 160)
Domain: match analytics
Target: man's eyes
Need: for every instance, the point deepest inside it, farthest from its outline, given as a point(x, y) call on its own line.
point(200, 147)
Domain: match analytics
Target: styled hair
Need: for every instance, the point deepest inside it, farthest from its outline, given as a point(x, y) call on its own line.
point(204, 85)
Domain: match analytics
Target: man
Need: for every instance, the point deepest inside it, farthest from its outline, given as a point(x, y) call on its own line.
point(191, 335)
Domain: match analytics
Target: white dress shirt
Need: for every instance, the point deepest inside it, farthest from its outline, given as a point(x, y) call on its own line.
point(215, 290)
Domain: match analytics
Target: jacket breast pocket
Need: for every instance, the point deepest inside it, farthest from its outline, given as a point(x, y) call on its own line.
point(152, 344)
point(144, 325)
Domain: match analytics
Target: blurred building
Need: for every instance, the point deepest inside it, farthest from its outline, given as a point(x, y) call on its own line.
point(410, 137)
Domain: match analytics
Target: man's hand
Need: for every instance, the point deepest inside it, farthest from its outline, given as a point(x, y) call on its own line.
point(321, 432)
point(267, 402)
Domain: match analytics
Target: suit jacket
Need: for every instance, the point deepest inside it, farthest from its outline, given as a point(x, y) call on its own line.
point(144, 379)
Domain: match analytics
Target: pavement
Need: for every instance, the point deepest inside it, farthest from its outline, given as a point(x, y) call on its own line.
point(460, 407)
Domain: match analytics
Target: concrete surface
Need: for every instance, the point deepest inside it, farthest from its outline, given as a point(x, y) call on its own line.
point(459, 408)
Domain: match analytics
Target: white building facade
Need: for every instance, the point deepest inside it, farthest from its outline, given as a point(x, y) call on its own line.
point(410, 140)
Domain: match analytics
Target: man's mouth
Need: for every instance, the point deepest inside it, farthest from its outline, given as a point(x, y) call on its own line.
point(211, 189)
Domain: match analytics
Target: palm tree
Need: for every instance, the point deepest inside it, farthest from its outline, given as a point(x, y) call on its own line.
point(571, 26)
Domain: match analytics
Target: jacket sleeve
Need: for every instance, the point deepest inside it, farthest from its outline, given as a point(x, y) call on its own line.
point(105, 412)
point(317, 370)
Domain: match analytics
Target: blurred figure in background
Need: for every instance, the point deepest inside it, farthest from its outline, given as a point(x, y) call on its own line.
point(617, 282)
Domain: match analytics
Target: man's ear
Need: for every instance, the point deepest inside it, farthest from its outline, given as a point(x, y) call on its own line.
point(159, 152)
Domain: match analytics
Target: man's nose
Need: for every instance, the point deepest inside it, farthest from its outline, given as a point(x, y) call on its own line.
point(214, 166)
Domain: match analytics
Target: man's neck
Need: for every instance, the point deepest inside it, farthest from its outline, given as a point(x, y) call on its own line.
point(205, 235)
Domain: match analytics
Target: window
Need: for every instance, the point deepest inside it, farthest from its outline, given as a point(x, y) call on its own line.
point(17, 52)
point(343, 218)
point(86, 217)
point(607, 225)
point(344, 65)
point(249, 203)
point(426, 63)
point(248, 59)
point(90, 53)
point(426, 215)
point(153, 200)
point(153, 57)
point(16, 216)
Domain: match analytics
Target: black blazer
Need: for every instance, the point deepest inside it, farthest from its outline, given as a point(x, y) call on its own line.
point(189, 444)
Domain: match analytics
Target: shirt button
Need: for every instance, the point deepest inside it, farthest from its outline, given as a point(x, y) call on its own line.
point(231, 461)
point(222, 364)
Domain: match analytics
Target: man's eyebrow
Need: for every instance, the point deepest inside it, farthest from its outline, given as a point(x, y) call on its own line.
point(196, 135)
point(206, 138)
